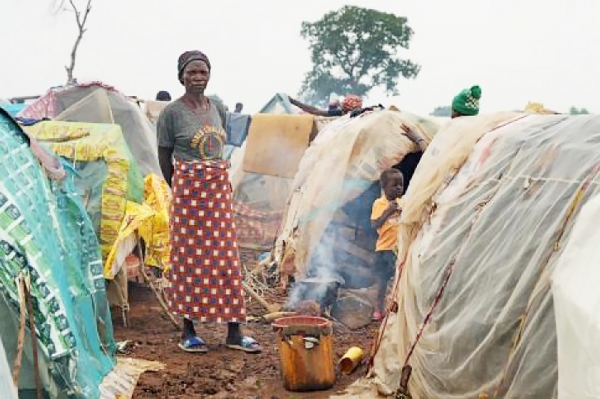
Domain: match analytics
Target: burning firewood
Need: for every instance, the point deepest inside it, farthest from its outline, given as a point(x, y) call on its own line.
point(277, 315)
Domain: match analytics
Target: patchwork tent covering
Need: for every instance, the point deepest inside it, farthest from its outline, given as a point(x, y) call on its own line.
point(492, 296)
point(108, 173)
point(258, 203)
point(73, 323)
point(111, 184)
point(96, 102)
point(261, 181)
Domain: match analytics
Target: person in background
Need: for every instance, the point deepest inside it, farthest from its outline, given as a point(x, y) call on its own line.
point(163, 96)
point(238, 108)
point(350, 103)
point(204, 284)
point(419, 141)
point(385, 218)
point(466, 103)
point(334, 106)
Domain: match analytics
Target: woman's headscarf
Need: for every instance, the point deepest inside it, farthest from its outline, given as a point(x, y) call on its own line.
point(351, 102)
point(467, 101)
point(187, 57)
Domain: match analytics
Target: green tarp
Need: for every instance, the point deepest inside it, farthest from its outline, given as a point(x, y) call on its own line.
point(46, 234)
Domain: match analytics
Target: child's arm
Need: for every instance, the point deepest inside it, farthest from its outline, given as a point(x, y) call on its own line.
point(378, 222)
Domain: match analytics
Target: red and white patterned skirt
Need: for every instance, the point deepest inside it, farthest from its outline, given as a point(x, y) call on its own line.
point(205, 281)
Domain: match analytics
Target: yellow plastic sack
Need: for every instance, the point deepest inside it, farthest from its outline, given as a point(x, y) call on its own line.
point(155, 232)
point(150, 221)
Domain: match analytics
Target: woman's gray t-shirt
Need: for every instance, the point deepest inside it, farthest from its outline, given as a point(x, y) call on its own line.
point(192, 137)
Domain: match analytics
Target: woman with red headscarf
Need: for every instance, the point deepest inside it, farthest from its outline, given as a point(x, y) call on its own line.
point(351, 102)
point(205, 280)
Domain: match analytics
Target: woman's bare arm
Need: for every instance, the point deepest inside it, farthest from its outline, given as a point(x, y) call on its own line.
point(165, 158)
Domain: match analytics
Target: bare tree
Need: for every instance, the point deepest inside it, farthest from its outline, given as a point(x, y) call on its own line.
point(81, 17)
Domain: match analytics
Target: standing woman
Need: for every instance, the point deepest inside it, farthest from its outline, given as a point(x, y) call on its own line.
point(205, 280)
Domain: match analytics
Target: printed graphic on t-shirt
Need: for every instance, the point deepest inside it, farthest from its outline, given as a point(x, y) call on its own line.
point(209, 142)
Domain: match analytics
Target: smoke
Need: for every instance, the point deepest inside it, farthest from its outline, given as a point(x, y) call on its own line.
point(345, 252)
point(322, 272)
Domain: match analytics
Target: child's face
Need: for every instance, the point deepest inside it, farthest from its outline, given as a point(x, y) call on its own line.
point(394, 187)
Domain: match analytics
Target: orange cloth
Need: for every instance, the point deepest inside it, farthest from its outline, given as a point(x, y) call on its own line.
point(388, 232)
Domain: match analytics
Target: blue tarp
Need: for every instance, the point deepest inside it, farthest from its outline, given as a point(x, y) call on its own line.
point(13, 109)
point(237, 128)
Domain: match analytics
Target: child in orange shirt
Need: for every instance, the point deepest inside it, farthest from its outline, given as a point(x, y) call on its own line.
point(385, 218)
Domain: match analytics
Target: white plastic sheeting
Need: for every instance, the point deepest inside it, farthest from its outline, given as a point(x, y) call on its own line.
point(577, 308)
point(488, 214)
point(7, 386)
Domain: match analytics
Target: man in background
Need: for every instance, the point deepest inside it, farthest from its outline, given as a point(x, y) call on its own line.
point(351, 102)
point(163, 96)
point(466, 103)
point(238, 108)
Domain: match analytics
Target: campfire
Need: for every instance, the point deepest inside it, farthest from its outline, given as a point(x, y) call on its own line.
point(315, 294)
point(323, 296)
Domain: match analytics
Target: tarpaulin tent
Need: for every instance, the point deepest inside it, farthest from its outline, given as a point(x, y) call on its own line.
point(280, 104)
point(107, 173)
point(262, 178)
point(494, 296)
point(98, 103)
point(576, 302)
point(12, 109)
point(123, 206)
point(342, 164)
point(47, 241)
point(262, 181)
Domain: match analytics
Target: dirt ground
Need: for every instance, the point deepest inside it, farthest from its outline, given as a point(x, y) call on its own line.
point(221, 373)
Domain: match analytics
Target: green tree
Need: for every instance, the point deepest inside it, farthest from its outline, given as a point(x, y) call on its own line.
point(354, 50)
point(578, 111)
point(442, 111)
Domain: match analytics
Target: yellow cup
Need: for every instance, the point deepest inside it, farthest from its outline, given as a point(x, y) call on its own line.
point(351, 360)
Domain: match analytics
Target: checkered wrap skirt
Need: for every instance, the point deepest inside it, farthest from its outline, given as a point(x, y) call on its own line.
point(205, 281)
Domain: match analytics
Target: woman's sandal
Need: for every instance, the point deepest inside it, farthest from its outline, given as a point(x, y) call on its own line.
point(246, 344)
point(193, 345)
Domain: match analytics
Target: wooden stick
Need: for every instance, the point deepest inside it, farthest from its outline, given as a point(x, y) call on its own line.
point(162, 303)
point(21, 336)
point(277, 315)
point(34, 344)
point(159, 298)
point(269, 307)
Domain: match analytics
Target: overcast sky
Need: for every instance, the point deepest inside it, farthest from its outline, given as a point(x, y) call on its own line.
point(518, 51)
